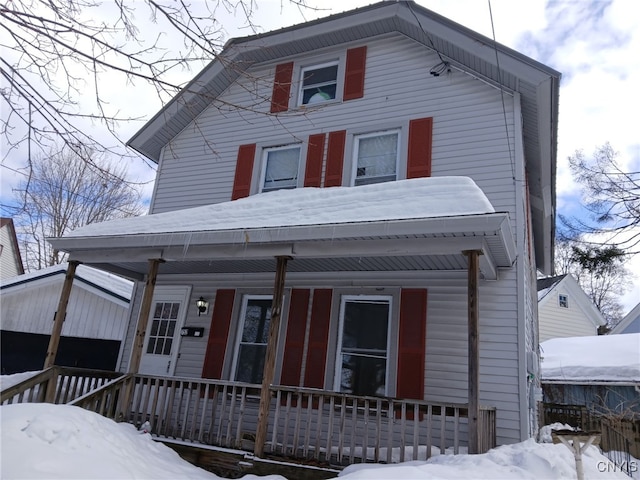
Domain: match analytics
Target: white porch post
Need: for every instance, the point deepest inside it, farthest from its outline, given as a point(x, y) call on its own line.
point(270, 358)
point(474, 350)
point(61, 313)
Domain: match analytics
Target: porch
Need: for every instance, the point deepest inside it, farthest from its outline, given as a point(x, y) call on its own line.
point(266, 240)
point(307, 426)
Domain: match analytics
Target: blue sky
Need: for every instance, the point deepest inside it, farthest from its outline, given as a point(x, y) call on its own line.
point(594, 44)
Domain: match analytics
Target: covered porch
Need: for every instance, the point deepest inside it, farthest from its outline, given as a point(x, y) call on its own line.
point(274, 234)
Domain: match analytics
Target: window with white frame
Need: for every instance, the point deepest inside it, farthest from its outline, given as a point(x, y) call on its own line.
point(280, 168)
point(251, 349)
point(376, 157)
point(318, 83)
point(563, 300)
point(363, 345)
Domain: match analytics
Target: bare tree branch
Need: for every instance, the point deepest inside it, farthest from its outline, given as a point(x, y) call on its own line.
point(611, 197)
point(65, 192)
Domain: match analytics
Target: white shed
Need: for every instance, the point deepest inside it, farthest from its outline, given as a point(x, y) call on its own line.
point(93, 330)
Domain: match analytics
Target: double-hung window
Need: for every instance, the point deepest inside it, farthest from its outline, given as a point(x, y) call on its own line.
point(376, 157)
point(563, 300)
point(280, 168)
point(363, 345)
point(318, 83)
point(254, 333)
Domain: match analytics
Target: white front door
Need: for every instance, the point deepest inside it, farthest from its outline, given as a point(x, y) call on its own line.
point(168, 311)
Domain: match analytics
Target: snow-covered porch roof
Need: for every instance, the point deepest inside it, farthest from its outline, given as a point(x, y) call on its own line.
point(417, 224)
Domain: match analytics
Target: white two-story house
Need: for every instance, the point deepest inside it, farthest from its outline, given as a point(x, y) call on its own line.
point(377, 188)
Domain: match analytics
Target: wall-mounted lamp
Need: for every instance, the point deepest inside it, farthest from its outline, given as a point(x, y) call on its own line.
point(202, 305)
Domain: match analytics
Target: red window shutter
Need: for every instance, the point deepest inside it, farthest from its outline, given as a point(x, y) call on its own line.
point(354, 73)
point(335, 158)
point(420, 144)
point(411, 343)
point(315, 153)
point(281, 87)
point(244, 171)
point(294, 342)
point(218, 334)
point(318, 338)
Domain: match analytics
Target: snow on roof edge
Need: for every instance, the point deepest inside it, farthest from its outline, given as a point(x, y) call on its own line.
point(601, 358)
point(111, 283)
point(399, 200)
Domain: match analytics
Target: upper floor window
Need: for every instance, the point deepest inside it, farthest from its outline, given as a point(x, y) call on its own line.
point(280, 168)
point(376, 157)
point(254, 333)
point(563, 300)
point(318, 83)
point(363, 345)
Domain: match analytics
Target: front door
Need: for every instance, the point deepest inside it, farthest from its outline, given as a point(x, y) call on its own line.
point(168, 311)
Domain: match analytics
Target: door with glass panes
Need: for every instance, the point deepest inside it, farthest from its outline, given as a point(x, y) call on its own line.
point(168, 311)
point(253, 335)
point(363, 345)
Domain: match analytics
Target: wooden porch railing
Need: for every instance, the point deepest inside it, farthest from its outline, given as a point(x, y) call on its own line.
point(56, 385)
point(303, 423)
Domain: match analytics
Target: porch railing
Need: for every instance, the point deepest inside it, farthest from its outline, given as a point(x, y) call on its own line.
point(56, 385)
point(303, 423)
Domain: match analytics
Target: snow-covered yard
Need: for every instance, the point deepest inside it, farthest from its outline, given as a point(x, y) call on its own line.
point(44, 441)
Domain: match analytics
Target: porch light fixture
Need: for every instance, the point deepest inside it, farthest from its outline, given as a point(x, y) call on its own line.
point(202, 305)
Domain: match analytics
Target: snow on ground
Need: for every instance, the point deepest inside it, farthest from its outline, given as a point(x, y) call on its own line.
point(401, 200)
point(7, 381)
point(602, 357)
point(44, 441)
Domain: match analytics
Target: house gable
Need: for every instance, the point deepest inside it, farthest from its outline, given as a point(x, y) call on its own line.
point(10, 258)
point(630, 323)
point(464, 50)
point(564, 309)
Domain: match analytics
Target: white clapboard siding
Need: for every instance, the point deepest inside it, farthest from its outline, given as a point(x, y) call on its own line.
point(9, 256)
point(98, 305)
point(32, 309)
point(446, 343)
point(557, 321)
point(468, 137)
point(473, 135)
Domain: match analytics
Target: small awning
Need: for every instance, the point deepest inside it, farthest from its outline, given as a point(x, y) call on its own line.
point(417, 224)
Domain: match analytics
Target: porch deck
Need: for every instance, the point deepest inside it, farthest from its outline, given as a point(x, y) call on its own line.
point(304, 425)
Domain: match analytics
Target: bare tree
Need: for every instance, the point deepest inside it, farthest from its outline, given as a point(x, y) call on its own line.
point(600, 272)
point(57, 53)
point(611, 196)
point(66, 192)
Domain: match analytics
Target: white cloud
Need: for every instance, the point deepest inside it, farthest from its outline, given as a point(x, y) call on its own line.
point(594, 44)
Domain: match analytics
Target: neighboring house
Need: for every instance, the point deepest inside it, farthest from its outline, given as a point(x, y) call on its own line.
point(601, 372)
point(10, 259)
point(630, 323)
point(594, 383)
point(564, 310)
point(94, 328)
point(383, 287)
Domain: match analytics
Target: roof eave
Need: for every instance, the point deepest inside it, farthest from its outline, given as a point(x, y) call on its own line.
point(489, 233)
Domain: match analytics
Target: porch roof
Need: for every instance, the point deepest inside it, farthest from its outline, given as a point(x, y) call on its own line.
point(417, 224)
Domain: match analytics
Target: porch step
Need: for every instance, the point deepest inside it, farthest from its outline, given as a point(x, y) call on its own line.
point(228, 463)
